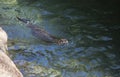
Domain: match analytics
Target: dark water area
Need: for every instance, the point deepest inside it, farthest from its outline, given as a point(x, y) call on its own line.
point(92, 28)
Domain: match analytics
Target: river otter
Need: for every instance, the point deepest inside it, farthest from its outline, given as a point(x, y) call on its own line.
point(43, 34)
point(7, 66)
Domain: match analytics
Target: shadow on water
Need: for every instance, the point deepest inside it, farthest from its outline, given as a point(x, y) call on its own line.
point(91, 28)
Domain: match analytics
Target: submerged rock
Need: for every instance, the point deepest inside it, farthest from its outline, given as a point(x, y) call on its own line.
point(35, 70)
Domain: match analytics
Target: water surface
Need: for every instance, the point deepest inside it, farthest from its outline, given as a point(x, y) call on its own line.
point(91, 28)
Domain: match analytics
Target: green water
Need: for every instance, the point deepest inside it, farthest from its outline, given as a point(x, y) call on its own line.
point(92, 28)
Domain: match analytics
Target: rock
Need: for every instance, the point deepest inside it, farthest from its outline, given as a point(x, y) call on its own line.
point(7, 66)
point(3, 40)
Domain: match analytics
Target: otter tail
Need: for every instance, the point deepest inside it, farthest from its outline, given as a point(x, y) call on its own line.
point(23, 20)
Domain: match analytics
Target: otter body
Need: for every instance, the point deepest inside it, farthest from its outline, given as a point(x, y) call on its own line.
point(43, 34)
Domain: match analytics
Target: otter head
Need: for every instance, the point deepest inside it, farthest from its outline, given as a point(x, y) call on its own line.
point(62, 41)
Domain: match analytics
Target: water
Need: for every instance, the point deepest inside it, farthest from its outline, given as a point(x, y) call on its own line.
point(91, 28)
